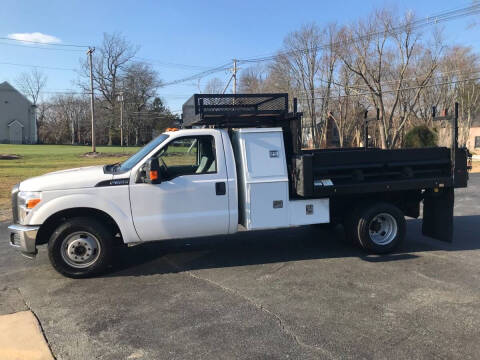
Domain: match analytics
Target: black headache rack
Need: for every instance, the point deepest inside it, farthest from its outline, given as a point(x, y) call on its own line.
point(230, 110)
point(246, 110)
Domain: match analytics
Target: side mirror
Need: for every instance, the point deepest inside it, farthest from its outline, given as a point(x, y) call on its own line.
point(152, 171)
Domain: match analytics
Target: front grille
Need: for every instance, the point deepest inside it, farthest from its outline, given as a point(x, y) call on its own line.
point(14, 204)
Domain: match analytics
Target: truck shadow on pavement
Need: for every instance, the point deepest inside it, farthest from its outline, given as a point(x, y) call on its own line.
point(275, 246)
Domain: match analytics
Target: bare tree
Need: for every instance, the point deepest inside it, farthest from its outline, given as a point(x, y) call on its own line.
point(214, 86)
point(300, 56)
point(109, 63)
point(31, 84)
point(64, 119)
point(253, 80)
point(463, 65)
point(140, 84)
point(329, 58)
point(381, 51)
point(348, 108)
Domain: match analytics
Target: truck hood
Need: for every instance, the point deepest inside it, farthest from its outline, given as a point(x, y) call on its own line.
point(67, 179)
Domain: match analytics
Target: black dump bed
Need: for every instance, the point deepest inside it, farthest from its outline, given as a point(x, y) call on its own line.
point(320, 173)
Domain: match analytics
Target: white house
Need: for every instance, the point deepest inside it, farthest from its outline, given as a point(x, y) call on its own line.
point(17, 117)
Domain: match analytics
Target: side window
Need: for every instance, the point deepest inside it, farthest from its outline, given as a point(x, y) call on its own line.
point(189, 156)
point(181, 152)
point(477, 141)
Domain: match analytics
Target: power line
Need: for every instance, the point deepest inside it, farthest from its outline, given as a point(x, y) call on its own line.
point(171, 64)
point(430, 20)
point(394, 90)
point(199, 75)
point(42, 47)
point(67, 92)
point(390, 82)
point(43, 43)
point(37, 66)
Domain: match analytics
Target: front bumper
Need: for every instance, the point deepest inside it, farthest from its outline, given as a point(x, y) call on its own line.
point(22, 238)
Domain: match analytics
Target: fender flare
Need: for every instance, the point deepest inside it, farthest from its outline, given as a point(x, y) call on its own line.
point(123, 220)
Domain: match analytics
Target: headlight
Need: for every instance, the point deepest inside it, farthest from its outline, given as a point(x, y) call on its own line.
point(27, 200)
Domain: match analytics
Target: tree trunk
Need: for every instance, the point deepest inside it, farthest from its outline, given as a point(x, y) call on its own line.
point(73, 131)
point(381, 129)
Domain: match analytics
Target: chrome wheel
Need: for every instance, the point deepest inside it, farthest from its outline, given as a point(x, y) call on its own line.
point(80, 249)
point(383, 229)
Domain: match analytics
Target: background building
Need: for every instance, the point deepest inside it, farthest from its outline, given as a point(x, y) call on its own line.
point(17, 117)
point(473, 142)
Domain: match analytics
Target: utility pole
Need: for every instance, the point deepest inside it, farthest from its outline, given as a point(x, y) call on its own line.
point(234, 76)
point(120, 98)
point(92, 106)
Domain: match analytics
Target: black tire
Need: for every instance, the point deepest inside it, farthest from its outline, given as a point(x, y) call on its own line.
point(366, 227)
point(95, 231)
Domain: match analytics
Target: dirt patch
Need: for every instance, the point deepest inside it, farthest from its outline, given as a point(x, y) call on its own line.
point(5, 213)
point(103, 155)
point(10, 157)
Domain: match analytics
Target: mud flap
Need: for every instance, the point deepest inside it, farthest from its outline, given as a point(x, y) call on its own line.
point(438, 214)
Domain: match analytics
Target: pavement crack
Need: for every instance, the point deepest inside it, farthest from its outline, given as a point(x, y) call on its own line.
point(42, 330)
point(281, 323)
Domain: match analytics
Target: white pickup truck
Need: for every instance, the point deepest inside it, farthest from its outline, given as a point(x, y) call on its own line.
point(192, 183)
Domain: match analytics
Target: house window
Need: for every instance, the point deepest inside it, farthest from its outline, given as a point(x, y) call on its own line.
point(477, 141)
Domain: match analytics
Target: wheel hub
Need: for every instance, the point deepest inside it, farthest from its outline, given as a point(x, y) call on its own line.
point(383, 229)
point(80, 249)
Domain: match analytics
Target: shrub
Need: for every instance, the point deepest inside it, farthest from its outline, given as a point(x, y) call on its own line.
point(420, 136)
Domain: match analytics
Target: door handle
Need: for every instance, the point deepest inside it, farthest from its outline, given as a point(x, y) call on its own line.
point(220, 188)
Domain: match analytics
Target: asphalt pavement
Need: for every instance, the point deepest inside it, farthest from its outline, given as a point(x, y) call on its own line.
point(297, 293)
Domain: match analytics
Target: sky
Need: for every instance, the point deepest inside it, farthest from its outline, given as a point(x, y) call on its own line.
point(181, 38)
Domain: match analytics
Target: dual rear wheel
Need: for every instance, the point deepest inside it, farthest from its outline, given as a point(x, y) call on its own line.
point(377, 227)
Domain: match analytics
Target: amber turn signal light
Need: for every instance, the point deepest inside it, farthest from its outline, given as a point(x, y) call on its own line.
point(154, 175)
point(32, 203)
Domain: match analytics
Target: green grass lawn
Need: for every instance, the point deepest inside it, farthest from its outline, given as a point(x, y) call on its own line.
point(40, 159)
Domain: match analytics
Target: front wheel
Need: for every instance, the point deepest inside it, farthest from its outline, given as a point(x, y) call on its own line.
point(80, 247)
point(379, 227)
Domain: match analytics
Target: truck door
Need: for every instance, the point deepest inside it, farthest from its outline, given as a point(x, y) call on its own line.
point(192, 198)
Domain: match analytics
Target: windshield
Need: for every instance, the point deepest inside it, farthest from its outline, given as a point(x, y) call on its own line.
point(139, 155)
